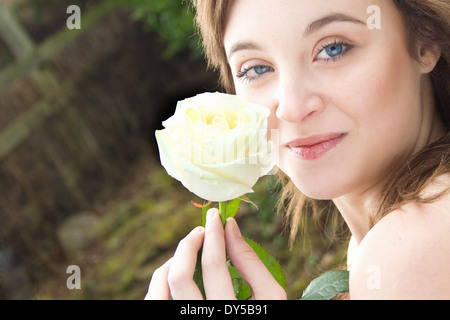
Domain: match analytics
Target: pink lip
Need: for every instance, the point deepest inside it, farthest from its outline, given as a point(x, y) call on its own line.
point(314, 147)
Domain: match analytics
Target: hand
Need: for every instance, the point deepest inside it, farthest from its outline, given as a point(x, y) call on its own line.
point(175, 277)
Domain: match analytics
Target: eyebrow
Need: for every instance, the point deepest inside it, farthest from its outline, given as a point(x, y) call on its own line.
point(246, 45)
point(322, 22)
point(310, 29)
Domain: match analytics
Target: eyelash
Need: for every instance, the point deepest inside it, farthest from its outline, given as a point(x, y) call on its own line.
point(242, 75)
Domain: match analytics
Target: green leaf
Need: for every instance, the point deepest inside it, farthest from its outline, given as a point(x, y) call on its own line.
point(246, 199)
point(241, 288)
point(198, 274)
point(269, 261)
point(327, 286)
point(232, 208)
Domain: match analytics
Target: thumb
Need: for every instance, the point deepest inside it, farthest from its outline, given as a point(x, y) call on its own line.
point(251, 268)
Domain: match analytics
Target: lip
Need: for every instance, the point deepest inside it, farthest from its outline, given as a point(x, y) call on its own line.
point(314, 147)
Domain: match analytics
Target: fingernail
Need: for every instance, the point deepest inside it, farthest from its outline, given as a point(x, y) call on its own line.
point(211, 214)
point(234, 227)
point(197, 230)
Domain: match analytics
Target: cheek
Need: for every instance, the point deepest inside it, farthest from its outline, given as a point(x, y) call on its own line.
point(386, 113)
point(263, 97)
point(381, 97)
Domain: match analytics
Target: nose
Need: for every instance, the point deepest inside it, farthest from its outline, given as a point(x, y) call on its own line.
point(297, 101)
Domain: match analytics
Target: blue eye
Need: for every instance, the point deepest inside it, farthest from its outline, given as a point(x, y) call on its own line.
point(333, 51)
point(254, 72)
point(260, 70)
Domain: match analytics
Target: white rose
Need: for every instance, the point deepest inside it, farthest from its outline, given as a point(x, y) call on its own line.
point(216, 145)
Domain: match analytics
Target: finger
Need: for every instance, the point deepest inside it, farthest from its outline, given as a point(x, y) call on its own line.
point(251, 268)
point(158, 288)
point(216, 277)
point(181, 273)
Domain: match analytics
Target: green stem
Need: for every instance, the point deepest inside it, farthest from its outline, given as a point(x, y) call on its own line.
point(222, 212)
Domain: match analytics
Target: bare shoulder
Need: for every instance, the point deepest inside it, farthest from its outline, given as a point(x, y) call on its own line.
point(406, 255)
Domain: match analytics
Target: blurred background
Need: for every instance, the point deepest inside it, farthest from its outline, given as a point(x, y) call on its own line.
point(80, 179)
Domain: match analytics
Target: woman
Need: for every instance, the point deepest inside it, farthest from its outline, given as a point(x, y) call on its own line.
point(363, 117)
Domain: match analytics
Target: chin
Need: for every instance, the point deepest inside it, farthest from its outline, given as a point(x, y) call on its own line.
point(323, 179)
point(320, 191)
point(318, 194)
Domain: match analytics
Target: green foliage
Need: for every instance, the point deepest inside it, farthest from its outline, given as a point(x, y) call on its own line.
point(327, 286)
point(204, 211)
point(173, 21)
point(198, 273)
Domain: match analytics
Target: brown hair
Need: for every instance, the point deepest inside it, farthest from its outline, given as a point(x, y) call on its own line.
point(211, 18)
point(428, 24)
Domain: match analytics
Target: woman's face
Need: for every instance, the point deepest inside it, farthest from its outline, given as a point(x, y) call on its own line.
point(347, 101)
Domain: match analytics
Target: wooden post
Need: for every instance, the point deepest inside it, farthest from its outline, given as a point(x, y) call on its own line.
point(16, 132)
point(48, 49)
point(14, 34)
point(56, 95)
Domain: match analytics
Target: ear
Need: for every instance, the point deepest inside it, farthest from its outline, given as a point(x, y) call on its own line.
point(429, 56)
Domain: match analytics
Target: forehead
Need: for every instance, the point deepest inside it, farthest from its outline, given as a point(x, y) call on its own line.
point(281, 18)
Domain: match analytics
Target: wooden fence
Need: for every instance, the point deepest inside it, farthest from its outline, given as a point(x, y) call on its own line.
point(29, 58)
